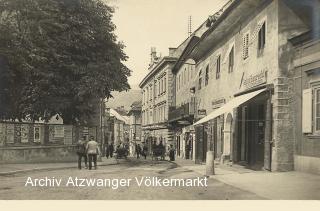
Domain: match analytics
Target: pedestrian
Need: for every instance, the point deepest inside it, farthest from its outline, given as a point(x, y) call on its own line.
point(81, 152)
point(145, 151)
point(92, 150)
point(138, 151)
point(171, 153)
point(107, 151)
point(111, 150)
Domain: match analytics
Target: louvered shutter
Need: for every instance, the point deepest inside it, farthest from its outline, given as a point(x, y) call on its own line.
point(307, 111)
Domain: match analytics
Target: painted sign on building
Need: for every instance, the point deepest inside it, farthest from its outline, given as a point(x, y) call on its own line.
point(255, 80)
point(218, 103)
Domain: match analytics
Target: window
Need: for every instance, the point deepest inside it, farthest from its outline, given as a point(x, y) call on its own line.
point(147, 97)
point(245, 46)
point(179, 81)
point(150, 93)
point(231, 60)
point(155, 89)
point(317, 109)
point(262, 37)
point(311, 110)
point(185, 75)
point(159, 88)
point(200, 80)
point(218, 67)
point(207, 76)
point(165, 84)
point(161, 85)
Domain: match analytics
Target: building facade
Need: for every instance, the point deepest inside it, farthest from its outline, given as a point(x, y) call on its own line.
point(243, 68)
point(305, 101)
point(135, 119)
point(157, 91)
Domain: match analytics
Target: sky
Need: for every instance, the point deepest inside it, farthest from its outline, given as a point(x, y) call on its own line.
point(142, 24)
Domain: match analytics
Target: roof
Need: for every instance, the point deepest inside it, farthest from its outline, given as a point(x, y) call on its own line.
point(155, 70)
point(234, 12)
point(184, 56)
point(115, 114)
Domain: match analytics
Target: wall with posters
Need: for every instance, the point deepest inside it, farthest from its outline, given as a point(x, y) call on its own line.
point(38, 142)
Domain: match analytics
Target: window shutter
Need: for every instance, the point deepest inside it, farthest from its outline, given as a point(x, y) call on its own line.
point(307, 111)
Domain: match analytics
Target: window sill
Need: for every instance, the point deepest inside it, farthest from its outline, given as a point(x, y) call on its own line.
point(313, 136)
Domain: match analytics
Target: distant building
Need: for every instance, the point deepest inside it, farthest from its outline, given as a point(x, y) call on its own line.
point(157, 91)
point(135, 125)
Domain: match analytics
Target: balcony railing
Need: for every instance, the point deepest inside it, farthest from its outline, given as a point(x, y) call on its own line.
point(184, 111)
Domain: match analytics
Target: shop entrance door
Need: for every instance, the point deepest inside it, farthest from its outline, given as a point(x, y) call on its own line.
point(251, 139)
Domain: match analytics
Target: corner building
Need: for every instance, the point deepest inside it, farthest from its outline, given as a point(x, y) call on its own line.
point(243, 64)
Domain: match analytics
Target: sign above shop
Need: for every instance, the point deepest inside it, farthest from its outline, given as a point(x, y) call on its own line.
point(202, 112)
point(218, 103)
point(255, 80)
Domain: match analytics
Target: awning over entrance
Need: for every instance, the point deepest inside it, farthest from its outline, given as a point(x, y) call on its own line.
point(235, 102)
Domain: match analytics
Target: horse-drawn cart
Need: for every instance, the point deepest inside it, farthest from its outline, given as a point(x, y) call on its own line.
point(158, 151)
point(121, 153)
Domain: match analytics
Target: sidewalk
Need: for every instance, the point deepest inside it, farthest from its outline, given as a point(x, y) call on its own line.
point(10, 169)
point(272, 185)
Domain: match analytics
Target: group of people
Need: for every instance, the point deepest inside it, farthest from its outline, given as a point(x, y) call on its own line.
point(141, 151)
point(89, 151)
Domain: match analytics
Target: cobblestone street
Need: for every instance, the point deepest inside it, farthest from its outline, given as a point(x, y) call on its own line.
point(13, 187)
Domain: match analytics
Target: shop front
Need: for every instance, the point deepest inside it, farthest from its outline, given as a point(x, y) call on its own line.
point(239, 132)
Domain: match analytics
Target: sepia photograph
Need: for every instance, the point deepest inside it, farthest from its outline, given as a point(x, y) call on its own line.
point(160, 100)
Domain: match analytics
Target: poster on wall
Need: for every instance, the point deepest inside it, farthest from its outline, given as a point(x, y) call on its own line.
point(17, 133)
point(10, 134)
point(58, 131)
point(36, 134)
point(24, 133)
point(2, 133)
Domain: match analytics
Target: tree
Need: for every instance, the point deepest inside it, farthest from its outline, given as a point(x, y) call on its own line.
point(56, 56)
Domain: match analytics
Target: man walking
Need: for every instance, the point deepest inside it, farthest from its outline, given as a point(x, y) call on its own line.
point(92, 150)
point(81, 152)
point(111, 150)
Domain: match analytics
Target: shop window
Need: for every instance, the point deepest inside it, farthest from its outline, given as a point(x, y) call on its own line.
point(218, 67)
point(231, 60)
point(245, 46)
point(262, 37)
point(207, 76)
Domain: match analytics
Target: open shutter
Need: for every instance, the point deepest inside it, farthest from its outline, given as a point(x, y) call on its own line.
point(307, 111)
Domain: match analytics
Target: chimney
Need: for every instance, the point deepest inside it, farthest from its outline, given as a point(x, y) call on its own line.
point(172, 51)
point(153, 55)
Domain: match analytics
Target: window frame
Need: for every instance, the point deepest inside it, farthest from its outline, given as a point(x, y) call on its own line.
point(231, 67)
point(245, 45)
point(206, 80)
point(218, 67)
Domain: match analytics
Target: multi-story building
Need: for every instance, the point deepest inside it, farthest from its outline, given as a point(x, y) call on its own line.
point(305, 101)
point(243, 66)
point(157, 90)
point(135, 125)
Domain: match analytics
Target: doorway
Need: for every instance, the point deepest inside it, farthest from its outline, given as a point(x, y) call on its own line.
point(251, 130)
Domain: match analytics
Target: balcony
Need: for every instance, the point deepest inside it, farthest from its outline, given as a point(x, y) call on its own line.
point(182, 113)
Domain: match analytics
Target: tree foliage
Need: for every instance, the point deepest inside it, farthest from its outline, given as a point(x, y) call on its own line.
point(56, 56)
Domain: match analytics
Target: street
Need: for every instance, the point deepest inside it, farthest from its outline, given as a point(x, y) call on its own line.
point(13, 186)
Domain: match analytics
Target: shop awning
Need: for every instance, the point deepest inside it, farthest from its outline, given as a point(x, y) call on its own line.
point(235, 102)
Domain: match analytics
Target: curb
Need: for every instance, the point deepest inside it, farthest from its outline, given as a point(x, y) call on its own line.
point(9, 173)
